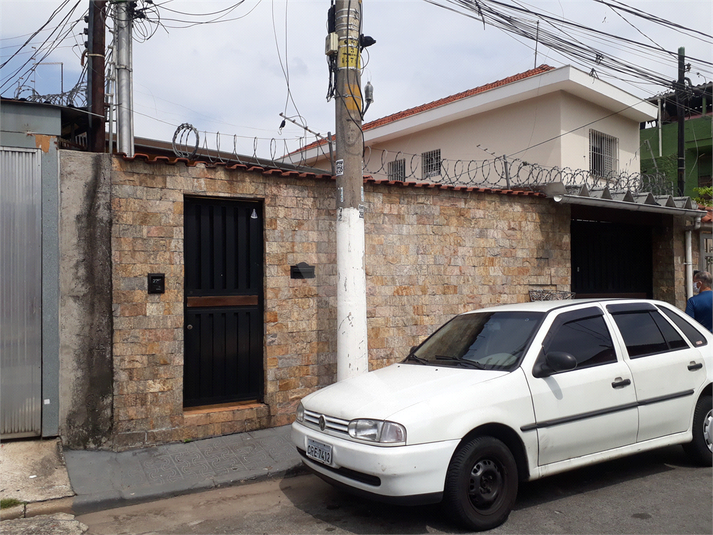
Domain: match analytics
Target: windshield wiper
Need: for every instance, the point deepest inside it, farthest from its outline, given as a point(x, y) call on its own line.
point(412, 356)
point(462, 362)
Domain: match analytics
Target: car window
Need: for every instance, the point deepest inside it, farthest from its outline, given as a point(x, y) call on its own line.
point(646, 334)
point(673, 339)
point(492, 341)
point(692, 333)
point(587, 339)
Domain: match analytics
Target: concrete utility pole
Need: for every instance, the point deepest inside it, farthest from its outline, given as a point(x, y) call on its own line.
point(680, 93)
point(352, 343)
point(125, 127)
point(96, 55)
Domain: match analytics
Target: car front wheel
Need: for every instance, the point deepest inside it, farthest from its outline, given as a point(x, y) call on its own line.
point(700, 449)
point(481, 484)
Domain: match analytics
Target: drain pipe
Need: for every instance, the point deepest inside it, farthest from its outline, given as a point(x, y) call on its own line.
point(689, 265)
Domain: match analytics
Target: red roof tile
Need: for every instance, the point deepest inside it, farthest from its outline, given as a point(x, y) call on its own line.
point(443, 101)
point(290, 173)
point(458, 96)
point(709, 216)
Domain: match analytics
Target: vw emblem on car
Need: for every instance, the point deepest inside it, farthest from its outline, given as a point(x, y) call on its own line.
point(322, 422)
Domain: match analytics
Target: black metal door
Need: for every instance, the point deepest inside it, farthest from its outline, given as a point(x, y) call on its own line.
point(223, 303)
point(611, 259)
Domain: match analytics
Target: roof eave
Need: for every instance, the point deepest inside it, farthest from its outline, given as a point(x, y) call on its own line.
point(626, 205)
point(566, 79)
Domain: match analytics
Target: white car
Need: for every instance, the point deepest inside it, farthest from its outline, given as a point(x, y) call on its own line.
point(514, 393)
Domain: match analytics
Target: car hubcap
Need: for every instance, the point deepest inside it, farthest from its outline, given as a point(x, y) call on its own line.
point(707, 431)
point(485, 483)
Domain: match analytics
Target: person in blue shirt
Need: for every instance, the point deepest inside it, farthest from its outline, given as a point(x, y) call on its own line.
point(700, 307)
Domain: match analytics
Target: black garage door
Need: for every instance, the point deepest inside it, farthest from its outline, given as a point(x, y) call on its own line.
point(611, 259)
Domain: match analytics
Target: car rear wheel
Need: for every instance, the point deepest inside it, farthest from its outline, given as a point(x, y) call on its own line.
point(481, 484)
point(700, 449)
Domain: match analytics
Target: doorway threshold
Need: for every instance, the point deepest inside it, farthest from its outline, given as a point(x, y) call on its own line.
point(223, 407)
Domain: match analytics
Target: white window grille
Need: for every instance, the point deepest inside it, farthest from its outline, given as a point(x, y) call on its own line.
point(397, 170)
point(603, 154)
point(431, 163)
point(706, 252)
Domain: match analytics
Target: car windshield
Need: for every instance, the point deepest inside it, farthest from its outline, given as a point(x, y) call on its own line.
point(487, 341)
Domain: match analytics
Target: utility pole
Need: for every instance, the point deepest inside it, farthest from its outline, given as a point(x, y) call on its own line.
point(96, 55)
point(125, 127)
point(680, 94)
point(352, 343)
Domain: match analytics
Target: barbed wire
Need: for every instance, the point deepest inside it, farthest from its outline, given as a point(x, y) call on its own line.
point(189, 143)
point(512, 174)
point(498, 172)
point(75, 97)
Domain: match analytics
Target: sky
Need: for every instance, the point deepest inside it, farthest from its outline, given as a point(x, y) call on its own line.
point(231, 80)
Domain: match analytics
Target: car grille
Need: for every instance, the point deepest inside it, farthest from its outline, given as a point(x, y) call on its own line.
point(332, 425)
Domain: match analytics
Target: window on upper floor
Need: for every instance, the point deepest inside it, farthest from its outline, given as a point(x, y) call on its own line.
point(431, 163)
point(397, 170)
point(603, 154)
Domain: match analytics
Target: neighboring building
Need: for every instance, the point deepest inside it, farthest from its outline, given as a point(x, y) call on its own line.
point(659, 143)
point(553, 118)
point(29, 267)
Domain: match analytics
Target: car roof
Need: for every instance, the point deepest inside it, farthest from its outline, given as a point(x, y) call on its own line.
point(547, 306)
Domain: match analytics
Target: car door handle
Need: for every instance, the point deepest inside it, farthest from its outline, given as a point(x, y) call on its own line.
point(693, 366)
point(619, 382)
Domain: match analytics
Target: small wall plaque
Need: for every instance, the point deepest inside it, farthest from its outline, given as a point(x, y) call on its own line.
point(157, 283)
point(302, 271)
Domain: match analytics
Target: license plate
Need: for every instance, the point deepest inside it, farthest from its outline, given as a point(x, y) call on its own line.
point(319, 451)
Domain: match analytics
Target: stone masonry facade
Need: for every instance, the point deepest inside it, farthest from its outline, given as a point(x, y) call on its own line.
point(431, 253)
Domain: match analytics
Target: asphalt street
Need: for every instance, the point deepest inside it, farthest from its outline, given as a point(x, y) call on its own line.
point(656, 492)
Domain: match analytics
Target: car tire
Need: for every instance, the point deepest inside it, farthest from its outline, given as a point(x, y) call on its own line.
point(481, 484)
point(700, 449)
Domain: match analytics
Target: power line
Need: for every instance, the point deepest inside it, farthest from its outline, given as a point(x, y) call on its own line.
point(38, 31)
point(223, 11)
point(42, 49)
point(560, 37)
point(653, 18)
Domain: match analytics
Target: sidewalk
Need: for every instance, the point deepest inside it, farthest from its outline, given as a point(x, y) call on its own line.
point(103, 480)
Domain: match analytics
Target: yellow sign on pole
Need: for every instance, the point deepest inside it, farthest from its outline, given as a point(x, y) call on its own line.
point(348, 57)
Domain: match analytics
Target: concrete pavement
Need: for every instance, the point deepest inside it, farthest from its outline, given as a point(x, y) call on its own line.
point(44, 480)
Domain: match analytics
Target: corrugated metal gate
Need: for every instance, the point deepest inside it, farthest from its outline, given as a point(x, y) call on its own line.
point(20, 293)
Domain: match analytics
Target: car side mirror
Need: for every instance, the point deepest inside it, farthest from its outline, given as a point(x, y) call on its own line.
point(556, 361)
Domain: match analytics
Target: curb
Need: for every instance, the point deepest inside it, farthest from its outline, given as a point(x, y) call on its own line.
point(48, 507)
point(81, 505)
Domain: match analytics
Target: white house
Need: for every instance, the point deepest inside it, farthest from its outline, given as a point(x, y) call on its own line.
point(561, 118)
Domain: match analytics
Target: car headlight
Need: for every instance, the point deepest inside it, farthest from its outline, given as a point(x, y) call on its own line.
point(377, 431)
point(300, 413)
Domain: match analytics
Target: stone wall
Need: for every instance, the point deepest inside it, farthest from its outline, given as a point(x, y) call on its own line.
point(431, 253)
